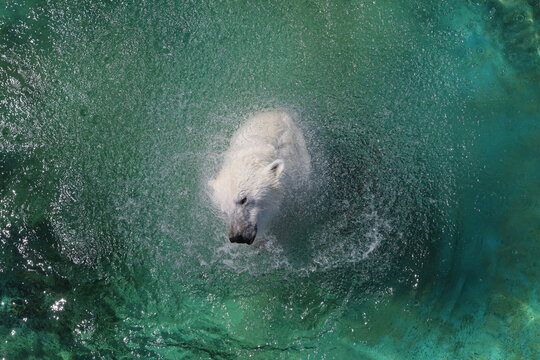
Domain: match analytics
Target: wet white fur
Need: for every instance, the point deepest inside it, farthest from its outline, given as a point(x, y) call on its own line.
point(267, 160)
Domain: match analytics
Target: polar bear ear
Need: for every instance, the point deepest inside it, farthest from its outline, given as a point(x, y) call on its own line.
point(276, 167)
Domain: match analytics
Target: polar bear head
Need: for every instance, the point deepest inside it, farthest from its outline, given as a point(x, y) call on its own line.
point(249, 192)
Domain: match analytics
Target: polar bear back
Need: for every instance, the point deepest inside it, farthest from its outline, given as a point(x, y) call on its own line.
point(275, 134)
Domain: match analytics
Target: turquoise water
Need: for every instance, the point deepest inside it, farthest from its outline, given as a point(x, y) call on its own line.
point(420, 239)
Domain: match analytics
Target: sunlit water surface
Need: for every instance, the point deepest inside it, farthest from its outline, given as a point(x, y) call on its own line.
point(419, 239)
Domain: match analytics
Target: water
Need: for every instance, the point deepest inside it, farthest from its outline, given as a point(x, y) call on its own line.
point(419, 240)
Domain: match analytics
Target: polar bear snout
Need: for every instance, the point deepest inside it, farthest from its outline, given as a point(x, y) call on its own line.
point(242, 234)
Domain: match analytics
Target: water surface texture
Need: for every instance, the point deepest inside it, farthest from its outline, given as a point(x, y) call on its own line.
point(420, 238)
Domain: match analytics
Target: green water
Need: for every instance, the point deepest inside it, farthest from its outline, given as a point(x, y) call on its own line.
point(420, 239)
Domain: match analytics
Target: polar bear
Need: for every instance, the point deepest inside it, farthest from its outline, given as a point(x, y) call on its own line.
point(266, 162)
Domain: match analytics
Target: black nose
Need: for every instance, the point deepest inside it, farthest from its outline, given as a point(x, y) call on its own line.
point(241, 240)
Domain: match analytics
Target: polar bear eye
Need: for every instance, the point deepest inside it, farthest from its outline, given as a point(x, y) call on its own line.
point(243, 200)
